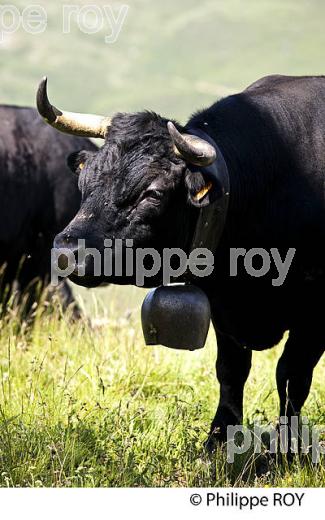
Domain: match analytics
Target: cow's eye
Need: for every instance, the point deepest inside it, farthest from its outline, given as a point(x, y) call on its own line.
point(152, 194)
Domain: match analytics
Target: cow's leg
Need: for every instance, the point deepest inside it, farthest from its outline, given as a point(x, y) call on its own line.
point(67, 300)
point(294, 373)
point(233, 366)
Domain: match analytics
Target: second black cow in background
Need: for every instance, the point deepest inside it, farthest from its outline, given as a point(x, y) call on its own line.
point(38, 198)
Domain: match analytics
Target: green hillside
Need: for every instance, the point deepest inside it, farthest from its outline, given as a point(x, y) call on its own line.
point(172, 57)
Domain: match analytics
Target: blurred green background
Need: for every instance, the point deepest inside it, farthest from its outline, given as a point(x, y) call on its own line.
point(172, 56)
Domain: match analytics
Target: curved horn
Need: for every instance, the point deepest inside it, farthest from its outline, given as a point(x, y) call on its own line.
point(87, 125)
point(191, 148)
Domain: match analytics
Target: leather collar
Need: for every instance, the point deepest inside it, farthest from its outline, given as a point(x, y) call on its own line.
point(212, 216)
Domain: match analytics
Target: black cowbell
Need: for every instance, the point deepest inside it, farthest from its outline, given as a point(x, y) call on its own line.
point(176, 316)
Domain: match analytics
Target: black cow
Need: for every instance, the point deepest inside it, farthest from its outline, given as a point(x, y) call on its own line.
point(142, 185)
point(38, 197)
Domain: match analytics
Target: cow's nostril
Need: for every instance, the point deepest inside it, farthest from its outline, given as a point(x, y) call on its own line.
point(66, 248)
point(65, 241)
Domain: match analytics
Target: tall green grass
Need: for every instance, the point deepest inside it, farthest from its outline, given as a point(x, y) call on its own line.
point(94, 406)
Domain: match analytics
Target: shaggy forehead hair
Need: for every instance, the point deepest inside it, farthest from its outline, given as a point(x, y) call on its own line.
point(137, 150)
point(145, 130)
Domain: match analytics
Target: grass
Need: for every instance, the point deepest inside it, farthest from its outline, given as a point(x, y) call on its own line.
point(84, 406)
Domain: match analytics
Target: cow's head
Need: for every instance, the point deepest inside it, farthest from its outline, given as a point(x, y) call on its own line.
point(137, 186)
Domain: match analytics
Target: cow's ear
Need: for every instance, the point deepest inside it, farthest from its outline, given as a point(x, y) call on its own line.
point(200, 188)
point(77, 160)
